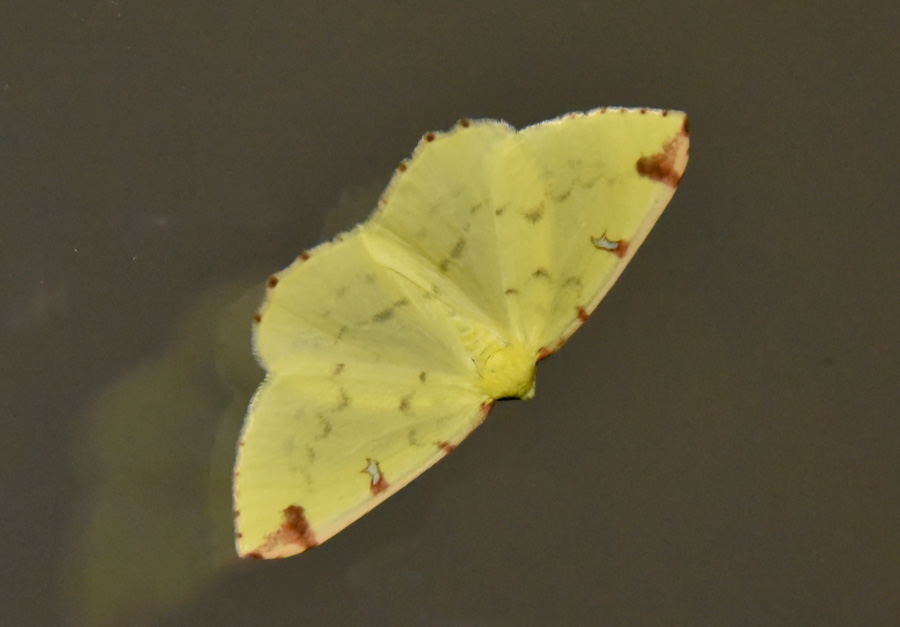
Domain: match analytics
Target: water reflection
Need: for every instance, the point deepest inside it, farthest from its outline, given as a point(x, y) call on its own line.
point(153, 522)
point(154, 461)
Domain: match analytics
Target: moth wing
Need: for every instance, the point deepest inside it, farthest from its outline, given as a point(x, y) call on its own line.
point(361, 366)
point(319, 452)
point(580, 194)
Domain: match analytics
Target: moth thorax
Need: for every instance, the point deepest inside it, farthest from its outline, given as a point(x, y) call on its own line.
point(508, 372)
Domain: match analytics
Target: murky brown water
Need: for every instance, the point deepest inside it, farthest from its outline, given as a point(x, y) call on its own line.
point(718, 445)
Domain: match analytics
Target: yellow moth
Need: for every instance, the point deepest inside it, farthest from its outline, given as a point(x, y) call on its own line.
point(387, 346)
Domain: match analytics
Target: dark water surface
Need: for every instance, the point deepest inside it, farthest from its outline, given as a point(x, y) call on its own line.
point(718, 445)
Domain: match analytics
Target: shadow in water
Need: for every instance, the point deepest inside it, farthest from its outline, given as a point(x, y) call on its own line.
point(153, 523)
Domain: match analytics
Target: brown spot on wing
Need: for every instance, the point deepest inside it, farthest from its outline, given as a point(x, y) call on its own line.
point(582, 314)
point(618, 246)
point(661, 166)
point(446, 447)
point(546, 351)
point(378, 483)
point(294, 529)
point(272, 282)
point(381, 486)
